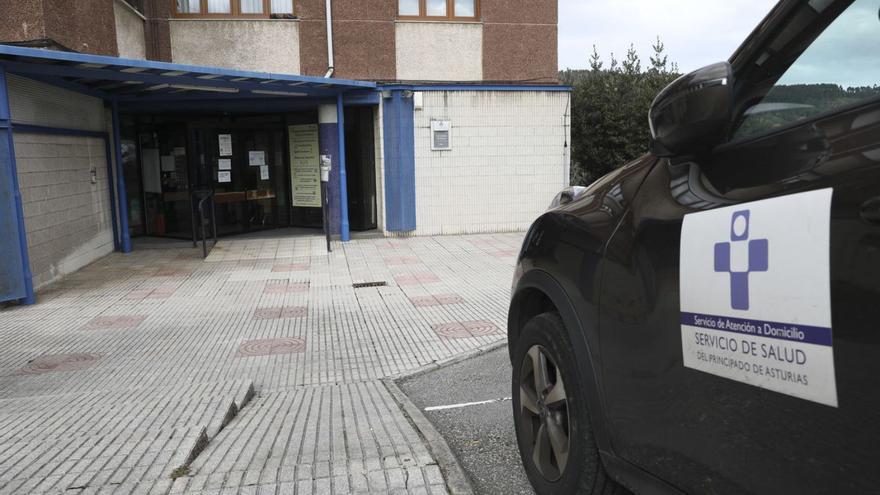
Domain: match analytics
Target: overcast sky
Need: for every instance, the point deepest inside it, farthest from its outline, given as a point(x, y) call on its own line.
point(695, 32)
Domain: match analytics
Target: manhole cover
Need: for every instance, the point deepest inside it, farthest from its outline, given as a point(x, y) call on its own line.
point(271, 347)
point(363, 285)
point(465, 329)
point(49, 363)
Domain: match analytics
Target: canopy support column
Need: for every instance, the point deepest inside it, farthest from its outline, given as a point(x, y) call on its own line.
point(343, 182)
point(124, 232)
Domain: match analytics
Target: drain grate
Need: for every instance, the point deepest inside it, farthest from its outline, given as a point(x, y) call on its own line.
point(363, 285)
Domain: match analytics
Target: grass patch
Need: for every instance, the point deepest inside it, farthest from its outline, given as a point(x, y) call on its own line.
point(180, 472)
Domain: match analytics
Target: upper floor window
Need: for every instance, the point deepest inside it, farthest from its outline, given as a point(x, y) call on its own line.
point(461, 10)
point(233, 8)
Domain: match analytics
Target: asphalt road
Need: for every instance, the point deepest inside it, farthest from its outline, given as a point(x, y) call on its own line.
point(481, 436)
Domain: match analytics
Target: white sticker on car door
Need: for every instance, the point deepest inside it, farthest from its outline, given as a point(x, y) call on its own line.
point(755, 294)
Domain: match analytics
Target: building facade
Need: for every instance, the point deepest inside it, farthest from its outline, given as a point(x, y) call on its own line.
point(438, 117)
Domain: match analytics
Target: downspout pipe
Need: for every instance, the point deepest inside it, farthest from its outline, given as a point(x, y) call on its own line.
point(331, 68)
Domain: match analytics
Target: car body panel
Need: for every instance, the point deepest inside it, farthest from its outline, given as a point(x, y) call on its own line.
point(609, 262)
point(701, 432)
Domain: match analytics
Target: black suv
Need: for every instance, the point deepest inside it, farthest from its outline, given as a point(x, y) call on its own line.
point(706, 319)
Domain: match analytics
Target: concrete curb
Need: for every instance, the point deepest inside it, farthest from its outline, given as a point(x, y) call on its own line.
point(447, 362)
point(457, 481)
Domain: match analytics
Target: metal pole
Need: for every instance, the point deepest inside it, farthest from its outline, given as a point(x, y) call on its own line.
point(194, 216)
point(325, 201)
point(343, 184)
point(120, 182)
point(202, 221)
point(213, 218)
point(328, 11)
point(6, 124)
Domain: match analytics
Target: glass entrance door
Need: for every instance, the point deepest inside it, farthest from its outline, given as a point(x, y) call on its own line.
point(165, 182)
point(243, 163)
point(242, 160)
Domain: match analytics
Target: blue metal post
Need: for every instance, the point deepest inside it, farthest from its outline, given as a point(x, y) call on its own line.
point(328, 142)
point(400, 185)
point(6, 124)
point(120, 182)
point(343, 184)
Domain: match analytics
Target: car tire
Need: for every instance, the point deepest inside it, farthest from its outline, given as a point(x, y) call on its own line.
point(552, 421)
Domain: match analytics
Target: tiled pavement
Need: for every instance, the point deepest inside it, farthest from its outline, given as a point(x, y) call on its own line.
point(126, 368)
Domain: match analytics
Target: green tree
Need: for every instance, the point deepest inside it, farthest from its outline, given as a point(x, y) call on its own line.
point(610, 110)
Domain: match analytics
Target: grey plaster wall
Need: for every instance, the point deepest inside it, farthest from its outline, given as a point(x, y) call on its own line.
point(439, 51)
point(263, 45)
point(129, 31)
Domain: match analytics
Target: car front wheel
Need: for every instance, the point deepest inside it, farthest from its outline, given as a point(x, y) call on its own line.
point(553, 429)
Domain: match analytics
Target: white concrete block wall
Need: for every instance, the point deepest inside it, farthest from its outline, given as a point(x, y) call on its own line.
point(507, 162)
point(67, 217)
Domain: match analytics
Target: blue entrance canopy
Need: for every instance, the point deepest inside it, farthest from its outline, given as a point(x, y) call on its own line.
point(146, 86)
point(127, 80)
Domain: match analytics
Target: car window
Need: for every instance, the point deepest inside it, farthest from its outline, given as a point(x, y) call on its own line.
point(839, 69)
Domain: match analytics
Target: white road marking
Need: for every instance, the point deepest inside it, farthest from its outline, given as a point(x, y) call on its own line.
point(466, 404)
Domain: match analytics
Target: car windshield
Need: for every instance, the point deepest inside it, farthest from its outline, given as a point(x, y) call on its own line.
point(839, 69)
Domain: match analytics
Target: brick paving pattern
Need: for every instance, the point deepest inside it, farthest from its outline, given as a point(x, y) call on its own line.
point(137, 365)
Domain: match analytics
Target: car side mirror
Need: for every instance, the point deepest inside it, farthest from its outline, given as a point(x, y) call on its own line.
point(693, 113)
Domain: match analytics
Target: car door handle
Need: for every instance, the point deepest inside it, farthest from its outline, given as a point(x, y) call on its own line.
point(870, 211)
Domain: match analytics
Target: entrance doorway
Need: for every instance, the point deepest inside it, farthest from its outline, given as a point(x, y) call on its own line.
point(246, 161)
point(243, 162)
point(360, 168)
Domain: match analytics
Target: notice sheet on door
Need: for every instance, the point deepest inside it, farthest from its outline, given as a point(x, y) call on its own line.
point(305, 173)
point(225, 144)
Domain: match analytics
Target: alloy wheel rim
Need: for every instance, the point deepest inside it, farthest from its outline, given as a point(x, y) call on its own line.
point(544, 413)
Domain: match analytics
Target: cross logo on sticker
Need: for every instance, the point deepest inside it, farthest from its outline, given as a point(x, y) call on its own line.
point(740, 257)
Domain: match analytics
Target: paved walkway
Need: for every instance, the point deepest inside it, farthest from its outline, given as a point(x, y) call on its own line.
point(257, 370)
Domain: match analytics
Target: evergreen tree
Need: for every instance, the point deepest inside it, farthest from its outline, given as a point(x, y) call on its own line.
point(610, 110)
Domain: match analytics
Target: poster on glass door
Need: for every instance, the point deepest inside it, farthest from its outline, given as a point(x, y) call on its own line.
point(225, 144)
point(305, 175)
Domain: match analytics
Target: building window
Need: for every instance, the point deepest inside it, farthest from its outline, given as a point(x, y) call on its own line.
point(427, 10)
point(251, 6)
point(219, 6)
point(233, 8)
point(282, 7)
